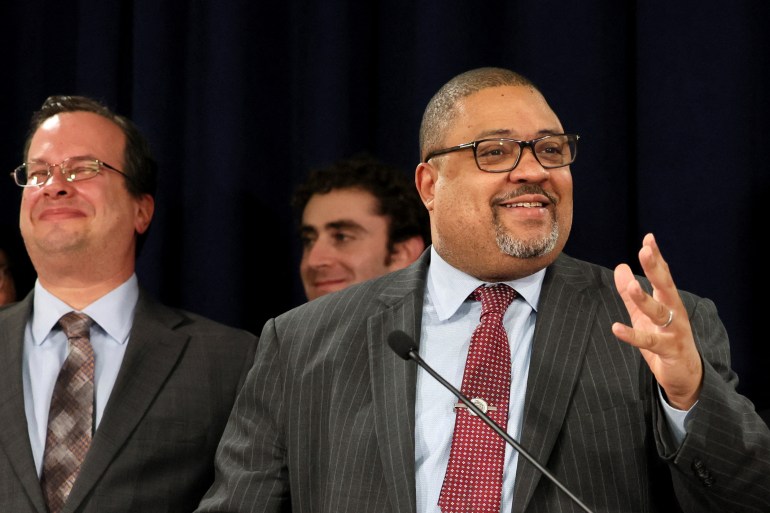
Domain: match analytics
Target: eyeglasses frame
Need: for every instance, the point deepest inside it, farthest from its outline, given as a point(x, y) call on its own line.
point(522, 145)
point(61, 165)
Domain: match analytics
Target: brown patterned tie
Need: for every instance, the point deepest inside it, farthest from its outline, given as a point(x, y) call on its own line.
point(474, 476)
point(70, 419)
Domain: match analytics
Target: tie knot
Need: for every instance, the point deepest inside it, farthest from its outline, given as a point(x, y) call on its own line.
point(495, 298)
point(76, 325)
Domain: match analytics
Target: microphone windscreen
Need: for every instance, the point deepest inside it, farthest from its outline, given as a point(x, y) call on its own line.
point(401, 344)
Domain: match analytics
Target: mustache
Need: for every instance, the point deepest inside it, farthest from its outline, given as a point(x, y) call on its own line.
point(527, 189)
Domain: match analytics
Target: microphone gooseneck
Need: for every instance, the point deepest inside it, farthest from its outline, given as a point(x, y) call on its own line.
point(403, 345)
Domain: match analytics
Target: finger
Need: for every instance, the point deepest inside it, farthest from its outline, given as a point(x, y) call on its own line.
point(657, 312)
point(624, 278)
point(668, 321)
point(656, 270)
point(623, 332)
point(645, 311)
point(638, 338)
point(653, 263)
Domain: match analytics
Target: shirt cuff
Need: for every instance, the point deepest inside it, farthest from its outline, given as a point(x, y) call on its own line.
point(675, 418)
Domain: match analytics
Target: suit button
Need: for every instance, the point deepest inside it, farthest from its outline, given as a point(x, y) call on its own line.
point(704, 474)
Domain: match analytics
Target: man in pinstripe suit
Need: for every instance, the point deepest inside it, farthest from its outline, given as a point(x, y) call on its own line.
point(620, 385)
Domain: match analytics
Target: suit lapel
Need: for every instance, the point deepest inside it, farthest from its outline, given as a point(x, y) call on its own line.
point(394, 383)
point(564, 318)
point(14, 435)
point(152, 352)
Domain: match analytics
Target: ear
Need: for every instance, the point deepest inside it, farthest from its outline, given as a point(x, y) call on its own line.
point(145, 207)
point(425, 177)
point(406, 252)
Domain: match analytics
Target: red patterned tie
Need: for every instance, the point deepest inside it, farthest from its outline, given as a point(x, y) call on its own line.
point(474, 476)
point(70, 419)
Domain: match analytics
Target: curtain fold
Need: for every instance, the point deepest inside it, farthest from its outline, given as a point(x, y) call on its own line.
point(239, 99)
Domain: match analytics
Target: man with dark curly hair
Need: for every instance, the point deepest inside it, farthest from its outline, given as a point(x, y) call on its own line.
point(358, 219)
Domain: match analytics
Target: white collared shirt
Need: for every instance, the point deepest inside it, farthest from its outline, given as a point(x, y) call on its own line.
point(448, 321)
point(45, 350)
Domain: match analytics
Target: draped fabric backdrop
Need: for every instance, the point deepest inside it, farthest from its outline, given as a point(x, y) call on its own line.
point(240, 98)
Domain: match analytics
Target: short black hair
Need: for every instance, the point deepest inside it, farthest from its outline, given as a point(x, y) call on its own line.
point(395, 192)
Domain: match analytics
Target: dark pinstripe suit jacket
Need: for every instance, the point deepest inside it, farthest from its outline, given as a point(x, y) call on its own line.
point(154, 448)
point(325, 421)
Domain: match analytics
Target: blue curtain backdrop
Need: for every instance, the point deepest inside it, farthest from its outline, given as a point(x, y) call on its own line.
point(240, 98)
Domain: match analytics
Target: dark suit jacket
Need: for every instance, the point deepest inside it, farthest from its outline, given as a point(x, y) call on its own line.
point(153, 450)
point(325, 421)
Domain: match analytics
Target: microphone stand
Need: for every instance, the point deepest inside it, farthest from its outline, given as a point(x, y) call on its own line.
point(500, 431)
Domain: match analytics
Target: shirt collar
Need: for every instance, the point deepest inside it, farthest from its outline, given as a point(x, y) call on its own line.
point(449, 287)
point(113, 312)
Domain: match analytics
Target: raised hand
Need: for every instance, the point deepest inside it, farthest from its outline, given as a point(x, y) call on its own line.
point(660, 327)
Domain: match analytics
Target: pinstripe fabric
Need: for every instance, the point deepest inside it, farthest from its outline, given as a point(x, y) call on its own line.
point(325, 422)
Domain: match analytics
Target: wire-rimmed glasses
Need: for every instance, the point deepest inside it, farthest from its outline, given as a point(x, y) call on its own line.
point(73, 169)
point(500, 155)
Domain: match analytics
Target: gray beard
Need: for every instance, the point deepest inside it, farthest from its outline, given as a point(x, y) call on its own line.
point(530, 248)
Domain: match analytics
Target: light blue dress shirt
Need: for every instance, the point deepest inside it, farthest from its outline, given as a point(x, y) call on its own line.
point(45, 350)
point(448, 321)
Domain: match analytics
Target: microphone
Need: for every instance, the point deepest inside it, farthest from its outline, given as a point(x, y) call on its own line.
point(403, 346)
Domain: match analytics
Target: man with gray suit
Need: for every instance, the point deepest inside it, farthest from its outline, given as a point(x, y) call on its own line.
point(620, 384)
point(124, 415)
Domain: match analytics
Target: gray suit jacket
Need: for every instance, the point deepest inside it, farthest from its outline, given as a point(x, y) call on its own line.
point(325, 421)
point(154, 448)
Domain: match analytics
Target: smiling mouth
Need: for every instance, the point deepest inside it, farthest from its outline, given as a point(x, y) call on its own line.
point(528, 204)
point(328, 283)
point(527, 196)
point(60, 216)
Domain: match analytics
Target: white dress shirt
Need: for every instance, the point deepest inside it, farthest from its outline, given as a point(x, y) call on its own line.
point(45, 350)
point(448, 321)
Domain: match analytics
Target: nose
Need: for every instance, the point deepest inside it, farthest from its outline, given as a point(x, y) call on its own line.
point(529, 169)
point(317, 254)
point(57, 184)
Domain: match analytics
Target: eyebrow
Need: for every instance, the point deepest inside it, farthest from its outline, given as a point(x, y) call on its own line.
point(338, 224)
point(88, 156)
point(504, 132)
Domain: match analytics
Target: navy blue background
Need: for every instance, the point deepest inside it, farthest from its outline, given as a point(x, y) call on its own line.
point(239, 98)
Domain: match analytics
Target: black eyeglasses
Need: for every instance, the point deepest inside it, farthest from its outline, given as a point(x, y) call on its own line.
point(74, 169)
point(501, 155)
